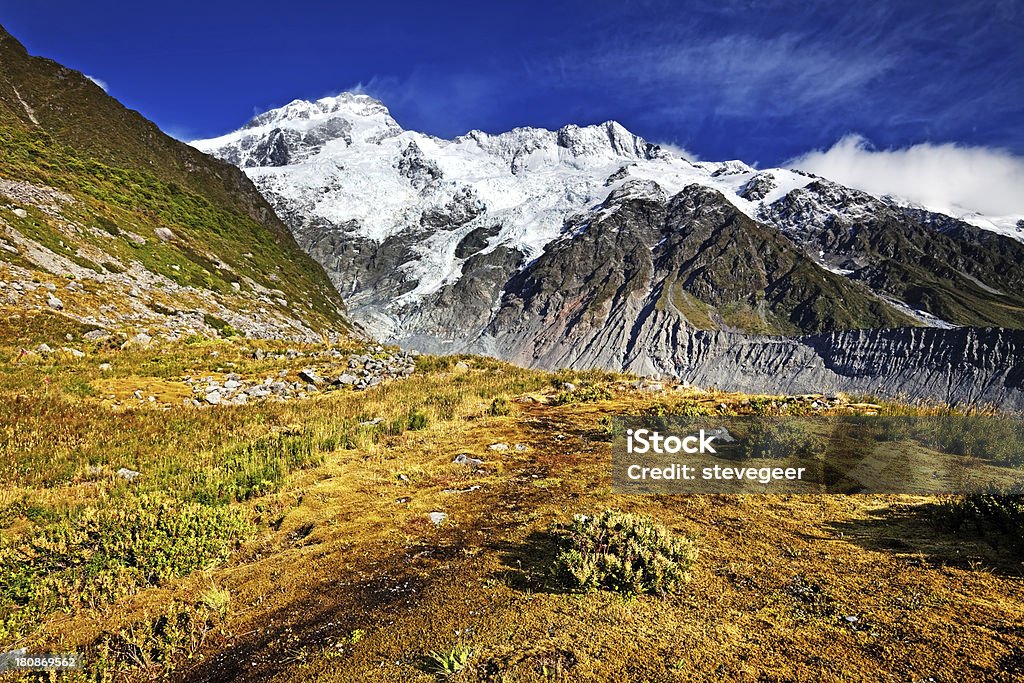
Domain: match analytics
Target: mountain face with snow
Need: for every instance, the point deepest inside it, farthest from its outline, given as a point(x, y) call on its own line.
point(590, 246)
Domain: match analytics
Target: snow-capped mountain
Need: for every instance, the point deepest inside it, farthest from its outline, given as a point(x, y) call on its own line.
point(453, 244)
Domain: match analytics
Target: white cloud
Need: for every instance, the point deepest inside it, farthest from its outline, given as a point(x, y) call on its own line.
point(943, 177)
point(97, 81)
point(678, 150)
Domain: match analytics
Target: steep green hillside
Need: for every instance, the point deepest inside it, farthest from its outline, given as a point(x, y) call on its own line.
point(92, 190)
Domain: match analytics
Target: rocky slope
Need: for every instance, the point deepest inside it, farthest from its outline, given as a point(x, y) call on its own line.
point(109, 221)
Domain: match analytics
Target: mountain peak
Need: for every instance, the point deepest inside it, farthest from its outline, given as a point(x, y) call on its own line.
point(343, 104)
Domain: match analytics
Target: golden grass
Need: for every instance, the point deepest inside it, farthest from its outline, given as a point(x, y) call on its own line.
point(347, 579)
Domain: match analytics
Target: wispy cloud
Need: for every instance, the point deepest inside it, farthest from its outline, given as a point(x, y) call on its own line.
point(678, 150)
point(941, 176)
point(746, 74)
point(97, 81)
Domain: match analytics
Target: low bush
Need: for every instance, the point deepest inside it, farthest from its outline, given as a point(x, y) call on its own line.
point(622, 552)
point(223, 328)
point(783, 439)
point(100, 555)
point(157, 644)
point(448, 664)
point(997, 515)
point(587, 394)
point(500, 407)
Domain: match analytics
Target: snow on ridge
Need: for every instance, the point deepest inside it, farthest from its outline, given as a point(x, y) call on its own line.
point(344, 160)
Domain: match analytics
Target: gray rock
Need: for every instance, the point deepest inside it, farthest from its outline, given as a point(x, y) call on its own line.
point(721, 434)
point(464, 459)
point(346, 379)
point(310, 376)
point(437, 517)
point(54, 303)
point(213, 398)
point(499, 447)
point(139, 341)
point(468, 489)
point(128, 475)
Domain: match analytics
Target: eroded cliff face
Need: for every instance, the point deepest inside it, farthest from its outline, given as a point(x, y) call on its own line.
point(962, 366)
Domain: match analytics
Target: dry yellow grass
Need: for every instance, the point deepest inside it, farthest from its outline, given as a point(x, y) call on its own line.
point(347, 578)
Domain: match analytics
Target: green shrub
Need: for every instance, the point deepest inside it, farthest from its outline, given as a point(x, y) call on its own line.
point(587, 394)
point(998, 439)
point(500, 407)
point(622, 552)
point(157, 643)
point(683, 408)
point(996, 515)
point(223, 328)
point(447, 664)
point(781, 440)
point(100, 555)
point(417, 420)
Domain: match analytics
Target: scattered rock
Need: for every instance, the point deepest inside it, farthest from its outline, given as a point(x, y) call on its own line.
point(54, 303)
point(44, 348)
point(104, 367)
point(164, 234)
point(437, 517)
point(128, 475)
point(96, 335)
point(721, 434)
point(464, 459)
point(465, 490)
point(139, 341)
point(461, 366)
point(569, 386)
point(213, 398)
point(20, 213)
point(310, 375)
point(500, 447)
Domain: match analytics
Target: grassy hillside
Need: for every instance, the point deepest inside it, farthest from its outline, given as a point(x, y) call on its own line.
point(86, 181)
point(295, 539)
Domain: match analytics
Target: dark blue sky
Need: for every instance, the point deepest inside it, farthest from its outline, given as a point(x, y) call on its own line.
point(760, 80)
